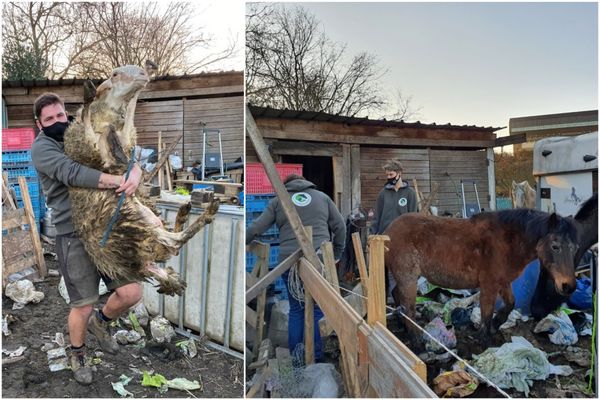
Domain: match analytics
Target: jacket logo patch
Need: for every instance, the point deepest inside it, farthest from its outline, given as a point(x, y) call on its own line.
point(301, 199)
point(402, 202)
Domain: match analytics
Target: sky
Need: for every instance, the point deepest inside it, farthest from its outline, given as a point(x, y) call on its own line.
point(224, 21)
point(476, 63)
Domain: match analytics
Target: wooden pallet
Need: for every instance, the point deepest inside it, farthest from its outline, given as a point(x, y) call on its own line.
point(21, 248)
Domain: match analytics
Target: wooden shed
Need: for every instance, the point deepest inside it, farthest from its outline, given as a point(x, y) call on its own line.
point(343, 156)
point(170, 104)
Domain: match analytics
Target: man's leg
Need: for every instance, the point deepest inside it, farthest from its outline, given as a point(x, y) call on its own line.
point(78, 320)
point(124, 296)
point(122, 299)
point(81, 280)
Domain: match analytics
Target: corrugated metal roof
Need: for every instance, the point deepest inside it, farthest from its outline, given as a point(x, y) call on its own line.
point(79, 81)
point(268, 112)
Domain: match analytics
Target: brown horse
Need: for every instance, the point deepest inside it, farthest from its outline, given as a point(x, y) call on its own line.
point(487, 251)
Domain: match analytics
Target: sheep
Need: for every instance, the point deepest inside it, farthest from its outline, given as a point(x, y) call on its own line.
point(102, 137)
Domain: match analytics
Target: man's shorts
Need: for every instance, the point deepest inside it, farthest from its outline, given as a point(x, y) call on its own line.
point(81, 275)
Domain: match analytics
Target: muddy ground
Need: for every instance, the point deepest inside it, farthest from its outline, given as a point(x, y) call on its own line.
point(467, 344)
point(219, 374)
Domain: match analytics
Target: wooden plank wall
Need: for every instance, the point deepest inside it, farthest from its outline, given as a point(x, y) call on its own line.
point(459, 164)
point(171, 106)
point(372, 175)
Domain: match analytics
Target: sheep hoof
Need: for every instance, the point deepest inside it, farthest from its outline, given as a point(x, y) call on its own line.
point(171, 285)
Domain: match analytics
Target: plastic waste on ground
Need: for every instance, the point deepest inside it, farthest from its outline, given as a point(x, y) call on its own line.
point(513, 318)
point(57, 359)
point(119, 386)
point(183, 384)
point(517, 364)
point(437, 328)
point(476, 317)
point(581, 299)
point(14, 353)
point(22, 292)
point(7, 319)
point(321, 381)
point(188, 347)
point(161, 329)
point(127, 337)
point(455, 384)
point(561, 328)
point(137, 315)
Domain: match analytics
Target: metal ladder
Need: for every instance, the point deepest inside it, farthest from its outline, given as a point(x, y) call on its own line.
point(212, 159)
point(469, 209)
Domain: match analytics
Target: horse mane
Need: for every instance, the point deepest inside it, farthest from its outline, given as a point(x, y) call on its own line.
point(533, 223)
point(587, 208)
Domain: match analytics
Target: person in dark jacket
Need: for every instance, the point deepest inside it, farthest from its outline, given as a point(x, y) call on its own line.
point(317, 210)
point(57, 173)
point(396, 198)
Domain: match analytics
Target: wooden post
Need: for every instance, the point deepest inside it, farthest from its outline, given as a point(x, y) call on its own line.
point(262, 263)
point(309, 317)
point(168, 168)
point(161, 161)
point(377, 296)
point(348, 371)
point(159, 167)
point(360, 260)
point(309, 328)
point(6, 193)
point(35, 236)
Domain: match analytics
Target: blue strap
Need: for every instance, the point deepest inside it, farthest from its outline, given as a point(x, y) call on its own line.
point(115, 216)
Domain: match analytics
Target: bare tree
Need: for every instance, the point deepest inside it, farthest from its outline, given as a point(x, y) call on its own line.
point(89, 39)
point(51, 31)
point(402, 108)
point(291, 63)
point(135, 32)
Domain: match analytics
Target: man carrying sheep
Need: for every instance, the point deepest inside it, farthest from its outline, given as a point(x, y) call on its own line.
point(57, 172)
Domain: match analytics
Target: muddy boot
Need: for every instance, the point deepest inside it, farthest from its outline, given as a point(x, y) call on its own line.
point(82, 372)
point(100, 329)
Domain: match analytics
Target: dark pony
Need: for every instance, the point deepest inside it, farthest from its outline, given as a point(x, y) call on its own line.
point(487, 251)
point(546, 298)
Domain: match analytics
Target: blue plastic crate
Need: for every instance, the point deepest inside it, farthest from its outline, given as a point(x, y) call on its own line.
point(28, 171)
point(33, 186)
point(272, 231)
point(11, 157)
point(273, 257)
point(257, 203)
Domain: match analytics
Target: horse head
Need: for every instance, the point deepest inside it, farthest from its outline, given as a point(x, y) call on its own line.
point(556, 251)
point(522, 194)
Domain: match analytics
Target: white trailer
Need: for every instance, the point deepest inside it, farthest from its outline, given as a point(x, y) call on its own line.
point(566, 172)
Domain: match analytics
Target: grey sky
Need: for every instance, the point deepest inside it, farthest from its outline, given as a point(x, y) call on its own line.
point(477, 63)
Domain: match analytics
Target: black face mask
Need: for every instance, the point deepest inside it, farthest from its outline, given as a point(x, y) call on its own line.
point(393, 181)
point(57, 130)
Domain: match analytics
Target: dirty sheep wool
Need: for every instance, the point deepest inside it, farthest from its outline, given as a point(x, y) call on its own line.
point(102, 137)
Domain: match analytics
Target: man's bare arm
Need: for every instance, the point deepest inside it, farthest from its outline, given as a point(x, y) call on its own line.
point(108, 181)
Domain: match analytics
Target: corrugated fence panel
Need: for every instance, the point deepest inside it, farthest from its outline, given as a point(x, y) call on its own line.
point(372, 176)
point(448, 167)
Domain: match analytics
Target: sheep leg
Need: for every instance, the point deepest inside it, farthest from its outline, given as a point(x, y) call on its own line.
point(182, 216)
point(168, 280)
point(174, 240)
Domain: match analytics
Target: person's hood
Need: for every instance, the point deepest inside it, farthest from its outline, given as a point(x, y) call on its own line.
point(298, 185)
point(404, 185)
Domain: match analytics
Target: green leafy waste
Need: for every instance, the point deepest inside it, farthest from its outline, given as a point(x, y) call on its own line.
point(156, 380)
point(182, 190)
